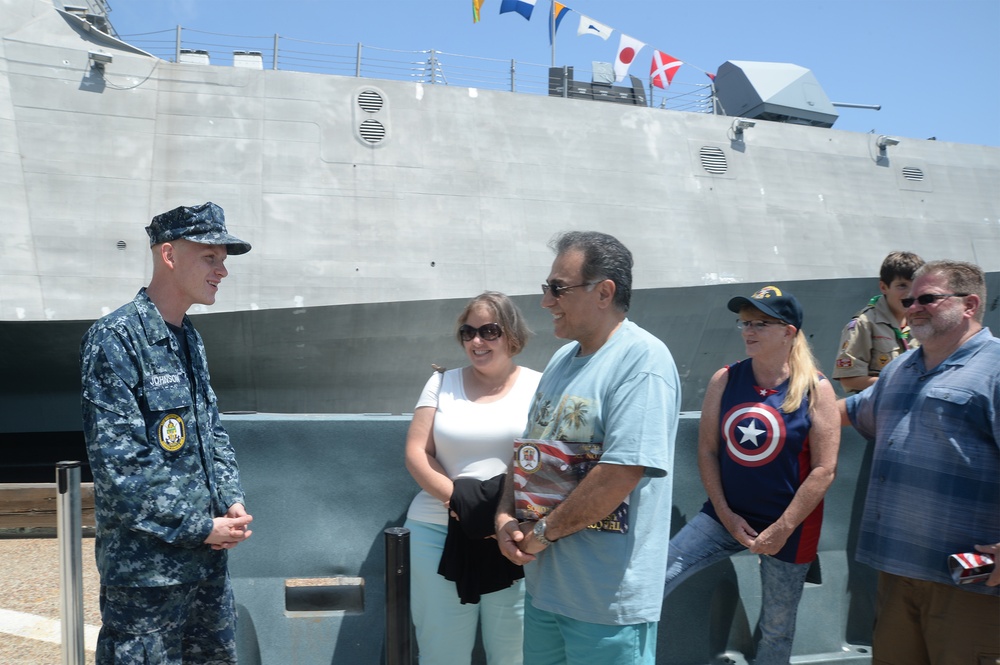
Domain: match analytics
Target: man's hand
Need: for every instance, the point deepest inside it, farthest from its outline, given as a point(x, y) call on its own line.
point(509, 538)
point(994, 551)
point(231, 530)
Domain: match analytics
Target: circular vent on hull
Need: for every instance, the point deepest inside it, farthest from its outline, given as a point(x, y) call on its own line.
point(370, 101)
point(371, 117)
point(372, 131)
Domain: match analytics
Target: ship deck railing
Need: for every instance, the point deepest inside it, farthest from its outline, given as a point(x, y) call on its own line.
point(430, 66)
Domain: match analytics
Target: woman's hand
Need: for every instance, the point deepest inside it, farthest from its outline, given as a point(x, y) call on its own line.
point(771, 540)
point(738, 528)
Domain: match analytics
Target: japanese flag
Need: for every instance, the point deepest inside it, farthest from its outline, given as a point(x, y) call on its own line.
point(628, 48)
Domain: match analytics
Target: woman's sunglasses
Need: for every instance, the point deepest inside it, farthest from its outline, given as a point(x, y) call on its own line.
point(487, 332)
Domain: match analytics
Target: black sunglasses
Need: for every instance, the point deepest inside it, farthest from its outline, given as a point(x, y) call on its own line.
point(558, 289)
point(487, 332)
point(928, 298)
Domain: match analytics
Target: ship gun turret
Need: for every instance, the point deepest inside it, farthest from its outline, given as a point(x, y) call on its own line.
point(775, 91)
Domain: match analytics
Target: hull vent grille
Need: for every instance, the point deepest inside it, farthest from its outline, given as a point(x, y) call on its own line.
point(913, 173)
point(372, 131)
point(713, 160)
point(370, 101)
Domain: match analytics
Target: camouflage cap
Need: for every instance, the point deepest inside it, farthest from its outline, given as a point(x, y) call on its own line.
point(205, 224)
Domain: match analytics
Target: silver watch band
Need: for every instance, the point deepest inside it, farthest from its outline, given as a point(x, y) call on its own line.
point(539, 532)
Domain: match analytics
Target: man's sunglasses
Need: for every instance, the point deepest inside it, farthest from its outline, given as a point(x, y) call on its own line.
point(486, 332)
point(928, 298)
point(558, 289)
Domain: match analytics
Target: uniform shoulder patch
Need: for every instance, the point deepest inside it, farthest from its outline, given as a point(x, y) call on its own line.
point(172, 433)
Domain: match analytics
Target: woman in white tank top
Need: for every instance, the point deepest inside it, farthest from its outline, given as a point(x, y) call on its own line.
point(463, 427)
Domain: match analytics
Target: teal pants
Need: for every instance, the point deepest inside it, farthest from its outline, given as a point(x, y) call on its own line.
point(554, 639)
point(446, 629)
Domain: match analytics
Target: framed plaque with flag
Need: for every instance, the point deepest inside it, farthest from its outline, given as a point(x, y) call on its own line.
point(546, 471)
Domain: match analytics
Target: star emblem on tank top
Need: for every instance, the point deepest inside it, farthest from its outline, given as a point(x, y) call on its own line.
point(750, 433)
point(765, 392)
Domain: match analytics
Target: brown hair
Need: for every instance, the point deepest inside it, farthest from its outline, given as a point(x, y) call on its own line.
point(507, 315)
point(962, 277)
point(899, 265)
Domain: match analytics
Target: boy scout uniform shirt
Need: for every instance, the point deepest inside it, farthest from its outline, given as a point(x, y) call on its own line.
point(870, 341)
point(163, 465)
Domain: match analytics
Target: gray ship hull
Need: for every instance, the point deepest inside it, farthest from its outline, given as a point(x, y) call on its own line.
point(375, 357)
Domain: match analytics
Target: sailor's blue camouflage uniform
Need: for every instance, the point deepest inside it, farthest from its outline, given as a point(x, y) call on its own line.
point(163, 468)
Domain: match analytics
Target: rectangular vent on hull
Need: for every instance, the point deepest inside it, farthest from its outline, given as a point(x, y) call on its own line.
point(713, 160)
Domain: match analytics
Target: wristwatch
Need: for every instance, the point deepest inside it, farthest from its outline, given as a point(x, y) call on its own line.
point(539, 532)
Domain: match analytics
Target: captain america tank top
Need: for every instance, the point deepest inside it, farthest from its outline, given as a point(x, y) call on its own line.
point(764, 457)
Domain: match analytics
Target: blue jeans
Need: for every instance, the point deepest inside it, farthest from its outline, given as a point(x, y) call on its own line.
point(446, 629)
point(703, 542)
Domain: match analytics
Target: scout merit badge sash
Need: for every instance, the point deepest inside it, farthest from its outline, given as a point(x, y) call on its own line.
point(546, 471)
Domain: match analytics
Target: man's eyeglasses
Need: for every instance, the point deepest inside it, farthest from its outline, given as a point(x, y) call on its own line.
point(756, 326)
point(487, 332)
point(558, 289)
point(928, 298)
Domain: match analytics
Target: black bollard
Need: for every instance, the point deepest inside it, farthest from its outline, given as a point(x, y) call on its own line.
point(70, 534)
point(398, 649)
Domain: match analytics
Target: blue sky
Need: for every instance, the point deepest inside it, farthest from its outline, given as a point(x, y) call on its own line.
point(933, 65)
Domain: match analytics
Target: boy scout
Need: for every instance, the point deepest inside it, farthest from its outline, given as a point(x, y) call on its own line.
point(878, 333)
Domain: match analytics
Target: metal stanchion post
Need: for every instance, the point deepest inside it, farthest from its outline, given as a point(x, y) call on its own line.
point(70, 534)
point(398, 650)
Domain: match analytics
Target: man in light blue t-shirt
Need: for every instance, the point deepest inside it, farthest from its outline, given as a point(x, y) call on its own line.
point(595, 563)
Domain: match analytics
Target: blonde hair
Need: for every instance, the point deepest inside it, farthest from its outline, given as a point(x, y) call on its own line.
point(803, 379)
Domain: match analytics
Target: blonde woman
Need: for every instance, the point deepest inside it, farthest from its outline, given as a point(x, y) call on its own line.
point(767, 453)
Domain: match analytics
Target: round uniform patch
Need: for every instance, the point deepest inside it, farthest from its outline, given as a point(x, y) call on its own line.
point(172, 432)
point(528, 458)
point(754, 433)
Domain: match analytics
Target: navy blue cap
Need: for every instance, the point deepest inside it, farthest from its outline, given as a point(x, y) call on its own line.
point(773, 302)
point(205, 224)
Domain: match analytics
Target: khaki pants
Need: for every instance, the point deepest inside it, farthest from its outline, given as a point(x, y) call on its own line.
point(927, 623)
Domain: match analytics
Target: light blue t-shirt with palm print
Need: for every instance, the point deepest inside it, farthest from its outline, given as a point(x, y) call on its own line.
point(626, 396)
